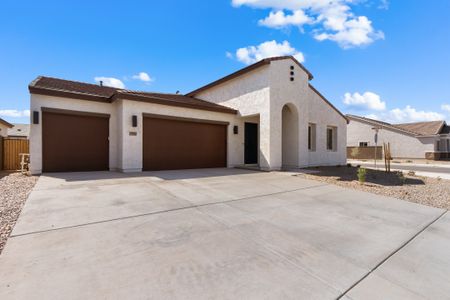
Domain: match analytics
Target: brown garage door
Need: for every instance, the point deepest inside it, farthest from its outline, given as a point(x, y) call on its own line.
point(179, 144)
point(74, 142)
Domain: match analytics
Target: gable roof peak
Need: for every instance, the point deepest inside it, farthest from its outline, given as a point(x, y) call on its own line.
point(245, 70)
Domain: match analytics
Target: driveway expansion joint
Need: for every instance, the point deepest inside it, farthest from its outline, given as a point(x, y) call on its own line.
point(164, 211)
point(344, 294)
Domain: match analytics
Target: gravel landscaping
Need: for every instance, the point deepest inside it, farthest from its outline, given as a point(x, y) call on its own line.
point(423, 190)
point(14, 190)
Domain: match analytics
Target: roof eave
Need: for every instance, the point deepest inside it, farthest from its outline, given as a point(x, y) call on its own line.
point(67, 94)
point(7, 124)
point(328, 102)
point(155, 100)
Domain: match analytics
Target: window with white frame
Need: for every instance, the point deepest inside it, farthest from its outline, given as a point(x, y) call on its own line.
point(331, 138)
point(311, 137)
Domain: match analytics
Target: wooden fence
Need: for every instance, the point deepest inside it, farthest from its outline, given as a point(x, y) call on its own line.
point(11, 148)
point(364, 152)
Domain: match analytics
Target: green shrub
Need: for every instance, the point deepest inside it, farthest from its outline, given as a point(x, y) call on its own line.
point(361, 173)
point(401, 177)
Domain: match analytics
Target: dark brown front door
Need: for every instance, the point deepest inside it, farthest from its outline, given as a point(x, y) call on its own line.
point(72, 142)
point(180, 144)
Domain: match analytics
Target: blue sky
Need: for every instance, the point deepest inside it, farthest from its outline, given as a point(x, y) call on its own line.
point(385, 59)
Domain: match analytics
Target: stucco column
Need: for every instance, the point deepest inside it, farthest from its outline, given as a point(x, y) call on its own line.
point(275, 140)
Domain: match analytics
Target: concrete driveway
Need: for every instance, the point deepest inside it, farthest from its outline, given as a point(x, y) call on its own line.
point(221, 234)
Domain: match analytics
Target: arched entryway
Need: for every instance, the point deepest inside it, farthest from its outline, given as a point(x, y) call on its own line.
point(290, 133)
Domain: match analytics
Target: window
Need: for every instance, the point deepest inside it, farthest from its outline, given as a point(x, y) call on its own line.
point(312, 137)
point(438, 144)
point(331, 138)
point(363, 144)
point(448, 145)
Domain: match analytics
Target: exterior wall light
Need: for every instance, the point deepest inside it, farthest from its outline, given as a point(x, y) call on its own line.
point(35, 117)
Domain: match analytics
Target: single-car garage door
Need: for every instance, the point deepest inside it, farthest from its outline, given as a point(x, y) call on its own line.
point(74, 142)
point(171, 144)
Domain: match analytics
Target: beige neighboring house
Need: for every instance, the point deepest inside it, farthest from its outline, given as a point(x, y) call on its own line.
point(4, 127)
point(420, 140)
point(266, 116)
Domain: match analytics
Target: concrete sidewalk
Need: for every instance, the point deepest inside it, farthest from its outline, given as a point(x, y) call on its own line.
point(211, 234)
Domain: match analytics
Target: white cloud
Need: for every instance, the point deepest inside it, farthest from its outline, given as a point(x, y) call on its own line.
point(330, 19)
point(252, 54)
point(407, 114)
point(445, 107)
point(368, 100)
point(14, 113)
point(143, 77)
point(110, 81)
point(280, 20)
point(355, 32)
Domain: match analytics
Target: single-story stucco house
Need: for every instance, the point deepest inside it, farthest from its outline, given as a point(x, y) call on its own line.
point(418, 140)
point(266, 115)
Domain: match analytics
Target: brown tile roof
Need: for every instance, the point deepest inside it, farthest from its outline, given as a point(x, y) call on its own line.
point(7, 124)
point(423, 128)
point(172, 99)
point(247, 69)
point(86, 91)
point(414, 129)
point(44, 85)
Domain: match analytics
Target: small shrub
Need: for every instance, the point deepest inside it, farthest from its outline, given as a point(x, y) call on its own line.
point(361, 175)
point(411, 173)
point(349, 165)
point(401, 177)
point(409, 161)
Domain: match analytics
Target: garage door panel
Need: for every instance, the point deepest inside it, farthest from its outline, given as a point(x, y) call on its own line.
point(176, 144)
point(74, 143)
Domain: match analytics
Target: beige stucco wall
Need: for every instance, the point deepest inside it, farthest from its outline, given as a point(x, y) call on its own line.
point(3, 130)
point(250, 95)
point(311, 109)
point(125, 149)
point(131, 146)
point(265, 91)
point(402, 145)
point(39, 101)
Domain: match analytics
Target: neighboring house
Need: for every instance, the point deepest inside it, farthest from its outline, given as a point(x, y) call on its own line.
point(19, 131)
point(266, 115)
point(429, 140)
point(4, 126)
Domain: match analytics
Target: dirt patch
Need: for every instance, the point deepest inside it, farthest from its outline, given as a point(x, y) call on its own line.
point(423, 190)
point(14, 191)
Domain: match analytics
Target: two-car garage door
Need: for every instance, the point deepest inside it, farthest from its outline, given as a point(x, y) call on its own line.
point(79, 142)
point(171, 144)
